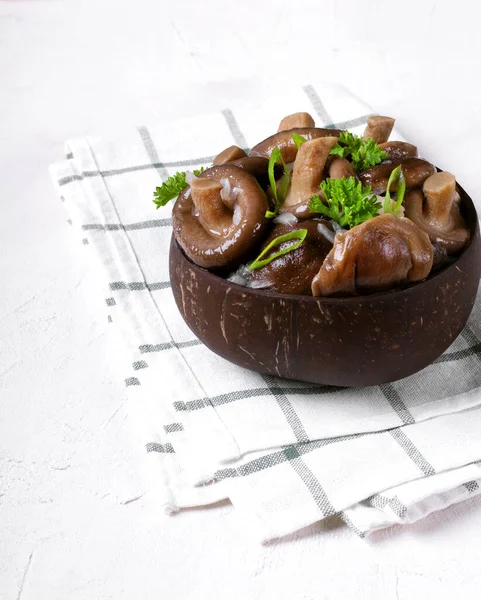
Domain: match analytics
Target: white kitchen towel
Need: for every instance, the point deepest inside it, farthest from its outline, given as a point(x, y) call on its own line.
point(204, 419)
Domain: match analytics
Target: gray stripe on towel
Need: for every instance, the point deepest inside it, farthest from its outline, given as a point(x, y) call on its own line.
point(152, 152)
point(235, 129)
point(318, 106)
point(414, 454)
point(396, 402)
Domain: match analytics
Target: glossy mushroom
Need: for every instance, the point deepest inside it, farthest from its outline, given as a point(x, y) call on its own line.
point(415, 170)
point(293, 272)
point(299, 119)
point(378, 128)
point(307, 174)
point(436, 211)
point(378, 254)
point(258, 167)
point(308, 169)
point(255, 165)
point(228, 155)
point(220, 218)
point(283, 140)
point(399, 150)
point(339, 167)
point(439, 257)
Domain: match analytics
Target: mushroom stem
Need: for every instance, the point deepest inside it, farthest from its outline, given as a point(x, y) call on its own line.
point(207, 200)
point(379, 129)
point(229, 154)
point(308, 169)
point(340, 167)
point(439, 190)
point(300, 119)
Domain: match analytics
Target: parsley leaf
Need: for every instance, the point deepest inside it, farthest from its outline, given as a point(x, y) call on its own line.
point(172, 187)
point(367, 155)
point(281, 192)
point(349, 203)
point(363, 154)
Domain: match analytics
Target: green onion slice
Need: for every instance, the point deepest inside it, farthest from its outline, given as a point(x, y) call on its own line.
point(298, 139)
point(298, 234)
point(397, 175)
point(281, 193)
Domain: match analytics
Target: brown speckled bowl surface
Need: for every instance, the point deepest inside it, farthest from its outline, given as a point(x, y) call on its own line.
point(357, 341)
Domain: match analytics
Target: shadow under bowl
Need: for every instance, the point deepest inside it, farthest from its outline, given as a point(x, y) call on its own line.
point(355, 341)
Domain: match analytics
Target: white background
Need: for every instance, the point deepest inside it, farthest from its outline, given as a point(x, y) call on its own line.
point(70, 471)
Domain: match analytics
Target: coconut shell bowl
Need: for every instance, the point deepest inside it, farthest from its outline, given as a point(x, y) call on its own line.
point(356, 305)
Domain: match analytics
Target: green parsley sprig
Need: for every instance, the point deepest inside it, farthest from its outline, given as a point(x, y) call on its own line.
point(348, 202)
point(297, 234)
point(363, 154)
point(172, 187)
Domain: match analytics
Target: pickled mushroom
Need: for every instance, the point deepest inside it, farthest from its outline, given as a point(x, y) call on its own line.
point(436, 211)
point(284, 141)
point(217, 229)
point(340, 167)
point(300, 119)
point(378, 254)
point(399, 150)
point(308, 170)
point(228, 155)
point(415, 170)
point(378, 128)
point(292, 273)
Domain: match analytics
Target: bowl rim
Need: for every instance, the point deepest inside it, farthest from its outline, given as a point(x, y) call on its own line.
point(374, 297)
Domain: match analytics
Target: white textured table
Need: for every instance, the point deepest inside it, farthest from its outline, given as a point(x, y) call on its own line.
point(73, 522)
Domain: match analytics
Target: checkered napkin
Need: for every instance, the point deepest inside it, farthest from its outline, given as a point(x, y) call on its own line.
point(287, 453)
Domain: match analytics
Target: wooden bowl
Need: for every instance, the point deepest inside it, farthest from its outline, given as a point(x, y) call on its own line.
point(356, 341)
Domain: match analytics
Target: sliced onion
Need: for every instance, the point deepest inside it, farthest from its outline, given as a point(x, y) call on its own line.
point(241, 276)
point(237, 216)
point(257, 284)
point(189, 177)
point(226, 190)
point(326, 232)
point(337, 228)
point(382, 199)
point(286, 218)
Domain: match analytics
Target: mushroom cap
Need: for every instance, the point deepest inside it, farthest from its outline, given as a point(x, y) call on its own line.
point(292, 273)
point(439, 256)
point(300, 210)
point(453, 235)
point(399, 150)
point(229, 246)
point(415, 170)
point(376, 255)
point(258, 166)
point(283, 140)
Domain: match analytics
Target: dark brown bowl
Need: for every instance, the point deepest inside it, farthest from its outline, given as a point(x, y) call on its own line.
point(357, 341)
